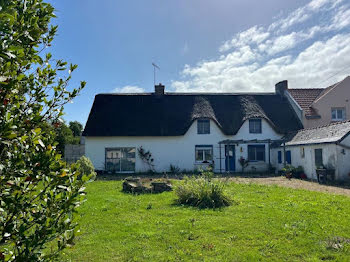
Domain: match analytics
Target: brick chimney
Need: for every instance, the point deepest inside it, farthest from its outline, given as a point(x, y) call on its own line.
point(159, 89)
point(280, 87)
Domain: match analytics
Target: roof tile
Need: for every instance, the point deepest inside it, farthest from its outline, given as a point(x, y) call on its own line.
point(305, 97)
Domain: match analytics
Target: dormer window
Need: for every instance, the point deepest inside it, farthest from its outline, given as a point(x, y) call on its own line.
point(255, 126)
point(203, 126)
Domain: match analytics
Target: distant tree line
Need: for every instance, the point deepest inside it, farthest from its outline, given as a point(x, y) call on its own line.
point(66, 134)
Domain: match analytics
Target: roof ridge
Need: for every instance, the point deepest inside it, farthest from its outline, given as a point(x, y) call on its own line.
point(329, 89)
point(330, 124)
point(185, 93)
point(315, 88)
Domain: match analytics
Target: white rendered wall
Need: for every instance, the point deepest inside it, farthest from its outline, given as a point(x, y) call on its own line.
point(330, 156)
point(344, 159)
point(242, 149)
point(180, 150)
point(337, 97)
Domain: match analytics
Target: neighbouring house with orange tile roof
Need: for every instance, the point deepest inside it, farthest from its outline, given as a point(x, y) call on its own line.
point(320, 106)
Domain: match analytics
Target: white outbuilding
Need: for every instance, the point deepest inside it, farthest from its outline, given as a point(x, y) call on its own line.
point(326, 146)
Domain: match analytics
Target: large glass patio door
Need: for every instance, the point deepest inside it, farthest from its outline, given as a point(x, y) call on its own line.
point(121, 159)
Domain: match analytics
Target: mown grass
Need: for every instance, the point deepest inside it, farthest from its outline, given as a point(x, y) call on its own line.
point(270, 223)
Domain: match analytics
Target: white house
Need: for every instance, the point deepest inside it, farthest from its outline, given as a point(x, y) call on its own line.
point(327, 146)
point(186, 130)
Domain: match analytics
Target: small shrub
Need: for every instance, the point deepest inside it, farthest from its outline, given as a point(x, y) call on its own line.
point(85, 167)
point(288, 171)
point(202, 192)
point(174, 169)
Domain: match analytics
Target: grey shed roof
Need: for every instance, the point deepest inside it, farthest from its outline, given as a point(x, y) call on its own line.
point(331, 133)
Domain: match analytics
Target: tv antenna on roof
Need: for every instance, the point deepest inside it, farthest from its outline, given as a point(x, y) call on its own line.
point(154, 72)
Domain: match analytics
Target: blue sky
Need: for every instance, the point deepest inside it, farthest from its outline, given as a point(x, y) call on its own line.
point(201, 45)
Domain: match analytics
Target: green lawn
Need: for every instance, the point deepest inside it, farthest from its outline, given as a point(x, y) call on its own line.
point(270, 223)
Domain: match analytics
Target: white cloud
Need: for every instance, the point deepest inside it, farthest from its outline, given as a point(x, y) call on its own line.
point(128, 89)
point(283, 42)
point(342, 18)
point(254, 34)
point(256, 59)
point(302, 14)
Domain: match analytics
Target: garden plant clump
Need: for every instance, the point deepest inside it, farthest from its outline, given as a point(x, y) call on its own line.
point(203, 192)
point(85, 167)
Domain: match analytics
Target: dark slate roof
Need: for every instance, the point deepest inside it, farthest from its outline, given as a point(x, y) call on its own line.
point(172, 114)
point(331, 133)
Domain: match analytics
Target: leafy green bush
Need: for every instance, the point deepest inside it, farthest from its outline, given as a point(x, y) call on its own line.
point(202, 192)
point(288, 169)
point(85, 167)
point(39, 193)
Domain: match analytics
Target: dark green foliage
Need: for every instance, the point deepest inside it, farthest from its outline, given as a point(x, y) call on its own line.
point(38, 191)
point(85, 167)
point(202, 192)
point(64, 136)
point(76, 128)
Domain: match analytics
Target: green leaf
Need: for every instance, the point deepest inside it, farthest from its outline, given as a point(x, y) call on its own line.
point(7, 116)
point(41, 143)
point(37, 130)
point(12, 135)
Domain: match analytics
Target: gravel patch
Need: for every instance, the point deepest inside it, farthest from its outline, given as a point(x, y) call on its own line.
point(295, 183)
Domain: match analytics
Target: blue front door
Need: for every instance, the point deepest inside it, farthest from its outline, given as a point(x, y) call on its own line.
point(230, 159)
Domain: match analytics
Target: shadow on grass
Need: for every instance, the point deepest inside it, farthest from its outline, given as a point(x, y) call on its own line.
point(175, 203)
point(344, 185)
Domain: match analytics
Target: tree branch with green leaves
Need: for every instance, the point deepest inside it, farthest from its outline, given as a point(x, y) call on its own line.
point(39, 193)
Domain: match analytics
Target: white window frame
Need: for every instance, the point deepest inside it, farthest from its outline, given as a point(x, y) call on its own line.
point(200, 126)
point(336, 113)
point(204, 148)
point(253, 123)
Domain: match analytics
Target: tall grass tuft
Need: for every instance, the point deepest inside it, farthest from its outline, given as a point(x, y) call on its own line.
point(202, 192)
